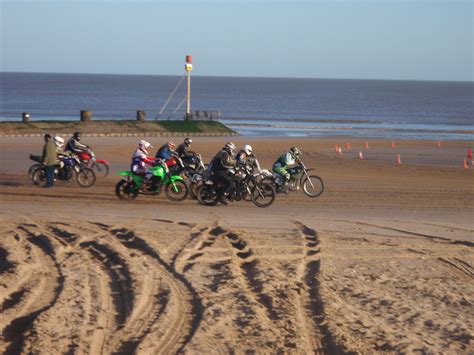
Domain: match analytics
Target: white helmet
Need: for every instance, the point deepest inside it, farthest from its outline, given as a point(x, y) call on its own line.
point(248, 149)
point(59, 141)
point(144, 145)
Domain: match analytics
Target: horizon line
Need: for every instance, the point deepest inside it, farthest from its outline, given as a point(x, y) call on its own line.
point(244, 76)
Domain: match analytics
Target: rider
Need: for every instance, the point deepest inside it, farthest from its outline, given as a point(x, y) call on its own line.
point(245, 155)
point(165, 151)
point(285, 162)
point(59, 142)
point(220, 167)
point(74, 146)
point(140, 159)
point(183, 150)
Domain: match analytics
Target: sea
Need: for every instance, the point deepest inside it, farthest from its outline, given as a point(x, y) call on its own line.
point(253, 106)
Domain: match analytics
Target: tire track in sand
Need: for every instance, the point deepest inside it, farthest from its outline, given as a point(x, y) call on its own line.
point(187, 310)
point(50, 287)
point(310, 304)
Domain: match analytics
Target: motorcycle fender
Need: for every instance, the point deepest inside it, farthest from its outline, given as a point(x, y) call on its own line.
point(125, 173)
point(176, 178)
point(102, 161)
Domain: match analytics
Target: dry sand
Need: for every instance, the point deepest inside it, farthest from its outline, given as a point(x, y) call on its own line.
point(382, 262)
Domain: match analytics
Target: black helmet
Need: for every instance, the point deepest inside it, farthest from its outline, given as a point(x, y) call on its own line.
point(77, 136)
point(188, 141)
point(295, 152)
point(229, 147)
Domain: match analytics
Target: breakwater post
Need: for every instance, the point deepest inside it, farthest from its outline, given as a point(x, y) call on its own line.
point(141, 115)
point(25, 117)
point(86, 116)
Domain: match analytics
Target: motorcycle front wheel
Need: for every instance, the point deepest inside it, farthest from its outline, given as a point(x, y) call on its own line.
point(85, 177)
point(312, 185)
point(207, 195)
point(263, 194)
point(176, 191)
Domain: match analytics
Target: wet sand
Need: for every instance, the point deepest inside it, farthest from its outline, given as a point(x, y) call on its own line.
point(382, 261)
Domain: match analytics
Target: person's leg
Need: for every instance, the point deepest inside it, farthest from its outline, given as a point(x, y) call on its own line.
point(283, 172)
point(49, 175)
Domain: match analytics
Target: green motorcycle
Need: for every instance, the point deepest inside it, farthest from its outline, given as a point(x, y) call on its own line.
point(131, 184)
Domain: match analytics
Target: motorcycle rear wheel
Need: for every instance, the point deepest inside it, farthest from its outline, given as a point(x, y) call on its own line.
point(176, 191)
point(85, 177)
point(101, 169)
point(125, 190)
point(33, 168)
point(312, 185)
point(39, 176)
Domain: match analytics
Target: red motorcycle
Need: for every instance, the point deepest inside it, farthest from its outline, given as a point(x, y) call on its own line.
point(100, 166)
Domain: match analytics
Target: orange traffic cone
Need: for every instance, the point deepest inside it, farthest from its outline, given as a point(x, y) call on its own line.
point(466, 166)
point(393, 145)
point(367, 145)
point(439, 144)
point(399, 160)
point(361, 156)
point(469, 154)
point(348, 146)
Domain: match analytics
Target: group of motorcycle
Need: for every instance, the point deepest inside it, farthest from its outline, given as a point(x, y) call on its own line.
point(179, 179)
point(82, 167)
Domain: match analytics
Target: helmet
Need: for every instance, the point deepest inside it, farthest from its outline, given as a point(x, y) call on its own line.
point(295, 152)
point(144, 145)
point(188, 141)
point(171, 144)
point(229, 147)
point(247, 149)
point(77, 136)
point(59, 141)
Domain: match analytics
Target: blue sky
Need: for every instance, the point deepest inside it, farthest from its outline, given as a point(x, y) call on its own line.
point(420, 40)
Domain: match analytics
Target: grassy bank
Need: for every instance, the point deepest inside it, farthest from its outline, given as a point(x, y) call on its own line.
point(112, 126)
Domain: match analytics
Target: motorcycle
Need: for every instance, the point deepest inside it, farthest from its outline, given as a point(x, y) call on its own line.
point(69, 168)
point(193, 171)
point(37, 159)
point(312, 185)
point(132, 184)
point(245, 184)
point(100, 166)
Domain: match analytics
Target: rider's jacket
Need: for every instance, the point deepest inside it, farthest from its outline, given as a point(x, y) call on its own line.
point(222, 161)
point(164, 152)
point(285, 160)
point(183, 151)
point(75, 146)
point(139, 161)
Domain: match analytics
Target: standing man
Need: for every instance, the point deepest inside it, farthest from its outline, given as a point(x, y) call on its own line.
point(49, 160)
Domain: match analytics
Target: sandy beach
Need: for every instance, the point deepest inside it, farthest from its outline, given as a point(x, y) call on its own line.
point(383, 261)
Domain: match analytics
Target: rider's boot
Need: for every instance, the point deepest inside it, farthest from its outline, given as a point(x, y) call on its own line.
point(223, 200)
